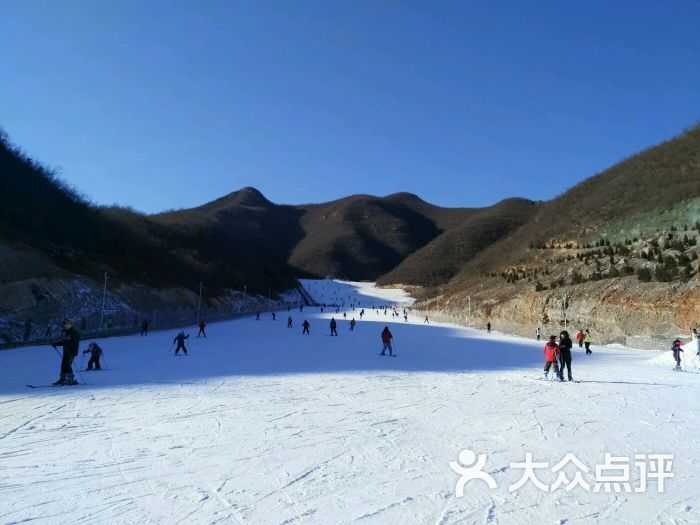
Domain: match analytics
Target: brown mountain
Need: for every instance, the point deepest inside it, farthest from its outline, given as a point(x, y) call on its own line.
point(511, 249)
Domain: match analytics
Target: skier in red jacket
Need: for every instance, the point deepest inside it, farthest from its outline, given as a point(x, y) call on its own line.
point(386, 341)
point(551, 357)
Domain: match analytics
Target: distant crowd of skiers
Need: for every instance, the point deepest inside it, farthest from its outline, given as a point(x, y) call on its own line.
point(558, 355)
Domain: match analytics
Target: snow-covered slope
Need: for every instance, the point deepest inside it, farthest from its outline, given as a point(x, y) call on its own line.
point(261, 424)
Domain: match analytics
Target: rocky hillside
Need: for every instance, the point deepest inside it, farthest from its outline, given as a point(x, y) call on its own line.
point(620, 250)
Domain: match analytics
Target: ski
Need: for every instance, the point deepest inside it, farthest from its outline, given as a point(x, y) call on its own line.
point(49, 386)
point(387, 355)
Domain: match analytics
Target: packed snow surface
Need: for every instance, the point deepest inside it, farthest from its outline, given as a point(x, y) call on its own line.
point(261, 424)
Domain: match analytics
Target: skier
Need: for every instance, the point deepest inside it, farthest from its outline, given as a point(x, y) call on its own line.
point(579, 338)
point(676, 349)
point(538, 333)
point(95, 353)
point(70, 343)
point(362, 313)
point(333, 326)
point(386, 341)
point(144, 327)
point(345, 315)
point(426, 320)
point(180, 339)
point(587, 342)
point(488, 327)
point(306, 326)
point(551, 355)
point(202, 326)
point(257, 316)
point(352, 324)
point(274, 316)
point(565, 345)
point(289, 321)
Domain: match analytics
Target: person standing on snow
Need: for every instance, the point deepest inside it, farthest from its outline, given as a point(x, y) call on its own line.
point(333, 326)
point(676, 349)
point(95, 354)
point(257, 316)
point(289, 321)
point(352, 324)
point(202, 326)
point(180, 339)
point(538, 333)
point(488, 327)
point(587, 342)
point(386, 341)
point(306, 326)
point(551, 356)
point(144, 327)
point(70, 343)
point(426, 320)
point(579, 338)
point(565, 345)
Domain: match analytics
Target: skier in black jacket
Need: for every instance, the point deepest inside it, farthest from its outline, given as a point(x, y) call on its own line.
point(333, 326)
point(565, 345)
point(180, 338)
point(70, 343)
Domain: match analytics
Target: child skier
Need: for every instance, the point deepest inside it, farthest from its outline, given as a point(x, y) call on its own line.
point(551, 355)
point(95, 353)
point(676, 349)
point(579, 338)
point(202, 326)
point(180, 339)
point(386, 341)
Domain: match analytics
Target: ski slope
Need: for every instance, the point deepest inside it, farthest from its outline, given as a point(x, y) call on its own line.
point(261, 424)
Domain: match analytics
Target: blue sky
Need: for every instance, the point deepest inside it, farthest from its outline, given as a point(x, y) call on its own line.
point(161, 105)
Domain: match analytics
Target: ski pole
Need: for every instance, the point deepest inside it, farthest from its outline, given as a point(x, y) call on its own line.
point(103, 358)
point(56, 350)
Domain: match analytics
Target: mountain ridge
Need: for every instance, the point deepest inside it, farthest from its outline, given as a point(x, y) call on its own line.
point(242, 239)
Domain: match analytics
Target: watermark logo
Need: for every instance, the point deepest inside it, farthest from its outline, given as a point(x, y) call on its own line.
point(470, 468)
point(614, 474)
